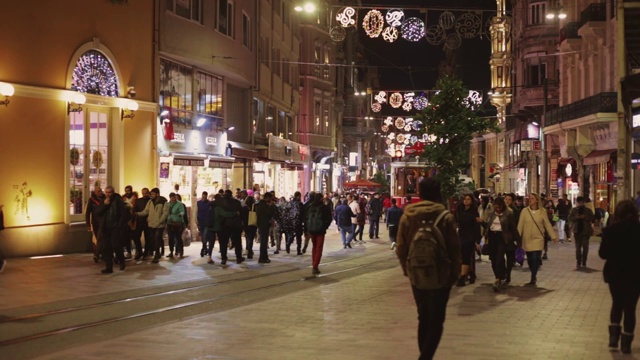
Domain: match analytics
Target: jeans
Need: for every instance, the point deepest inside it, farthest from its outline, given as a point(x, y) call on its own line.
point(533, 260)
point(344, 230)
point(209, 239)
point(175, 238)
point(359, 231)
point(250, 235)
point(298, 239)
point(498, 251)
point(432, 310)
point(137, 239)
point(316, 253)
point(158, 242)
point(560, 225)
point(393, 232)
point(582, 248)
point(374, 226)
point(625, 299)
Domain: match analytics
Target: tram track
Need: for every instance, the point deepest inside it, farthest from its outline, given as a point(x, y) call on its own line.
point(171, 304)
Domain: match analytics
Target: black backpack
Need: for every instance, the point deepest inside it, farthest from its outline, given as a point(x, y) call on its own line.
point(428, 263)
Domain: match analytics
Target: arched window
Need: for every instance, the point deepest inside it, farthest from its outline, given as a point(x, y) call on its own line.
point(94, 74)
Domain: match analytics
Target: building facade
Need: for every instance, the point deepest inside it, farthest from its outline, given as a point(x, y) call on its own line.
point(76, 78)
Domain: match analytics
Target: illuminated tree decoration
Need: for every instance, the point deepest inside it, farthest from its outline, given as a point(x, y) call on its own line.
point(391, 136)
point(400, 138)
point(93, 74)
point(414, 139)
point(408, 97)
point(346, 17)
point(385, 128)
point(407, 106)
point(413, 29)
point(388, 142)
point(373, 23)
point(381, 97)
point(395, 100)
point(407, 127)
point(468, 25)
point(388, 121)
point(390, 34)
point(406, 140)
point(474, 100)
point(420, 103)
point(400, 123)
point(337, 33)
point(376, 107)
point(416, 125)
point(447, 20)
point(435, 35)
point(395, 17)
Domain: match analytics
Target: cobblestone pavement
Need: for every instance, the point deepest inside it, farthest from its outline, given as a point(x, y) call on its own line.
point(370, 315)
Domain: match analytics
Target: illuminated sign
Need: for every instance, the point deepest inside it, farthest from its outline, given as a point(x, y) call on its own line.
point(211, 141)
point(178, 137)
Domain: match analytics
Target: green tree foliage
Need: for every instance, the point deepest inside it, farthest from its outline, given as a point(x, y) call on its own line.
point(451, 120)
point(381, 178)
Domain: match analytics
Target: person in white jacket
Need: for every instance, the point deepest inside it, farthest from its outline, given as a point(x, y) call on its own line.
point(156, 211)
point(532, 226)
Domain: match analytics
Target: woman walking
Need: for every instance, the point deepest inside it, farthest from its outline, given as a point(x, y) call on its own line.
point(469, 234)
point(531, 227)
point(621, 250)
point(250, 224)
point(502, 237)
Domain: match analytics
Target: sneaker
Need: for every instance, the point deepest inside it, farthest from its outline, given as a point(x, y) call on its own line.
point(393, 245)
point(264, 261)
point(128, 256)
point(170, 256)
point(223, 262)
point(276, 252)
point(349, 246)
point(107, 271)
point(3, 263)
point(315, 271)
point(155, 260)
point(496, 286)
point(240, 260)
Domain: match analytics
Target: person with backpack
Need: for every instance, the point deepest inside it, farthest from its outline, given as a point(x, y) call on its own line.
point(318, 219)
point(428, 248)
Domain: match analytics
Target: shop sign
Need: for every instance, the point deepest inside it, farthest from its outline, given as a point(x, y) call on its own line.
point(220, 165)
point(188, 162)
point(192, 141)
point(281, 150)
point(164, 170)
point(178, 137)
point(211, 141)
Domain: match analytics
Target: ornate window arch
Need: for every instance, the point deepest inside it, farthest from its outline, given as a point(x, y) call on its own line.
point(93, 70)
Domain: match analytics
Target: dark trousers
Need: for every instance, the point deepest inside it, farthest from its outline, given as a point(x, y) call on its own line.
point(432, 310)
point(582, 248)
point(498, 251)
point(97, 249)
point(235, 235)
point(210, 240)
point(127, 236)
point(137, 239)
point(112, 241)
point(393, 232)
point(534, 258)
point(250, 235)
point(358, 232)
point(158, 242)
point(625, 299)
point(298, 239)
point(264, 243)
point(175, 238)
point(374, 226)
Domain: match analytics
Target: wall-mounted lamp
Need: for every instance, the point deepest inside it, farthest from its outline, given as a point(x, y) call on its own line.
point(6, 91)
point(164, 112)
point(129, 110)
point(230, 128)
point(556, 11)
point(74, 105)
point(309, 7)
point(360, 93)
point(201, 121)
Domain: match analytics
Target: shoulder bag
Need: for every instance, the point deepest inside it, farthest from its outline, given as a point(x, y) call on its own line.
point(544, 235)
point(253, 217)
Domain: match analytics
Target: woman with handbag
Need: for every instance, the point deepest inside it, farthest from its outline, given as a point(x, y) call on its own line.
point(533, 223)
point(250, 224)
point(502, 237)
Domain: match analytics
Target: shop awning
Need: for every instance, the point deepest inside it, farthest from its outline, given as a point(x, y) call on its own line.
point(244, 151)
point(221, 162)
point(565, 161)
point(598, 156)
point(188, 160)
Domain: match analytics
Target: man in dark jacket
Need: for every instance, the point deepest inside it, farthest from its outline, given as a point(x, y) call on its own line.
point(296, 216)
point(266, 212)
point(375, 206)
point(306, 206)
point(233, 224)
point(112, 228)
point(343, 216)
point(581, 218)
point(394, 213)
point(93, 220)
point(318, 219)
point(431, 303)
point(142, 227)
point(203, 209)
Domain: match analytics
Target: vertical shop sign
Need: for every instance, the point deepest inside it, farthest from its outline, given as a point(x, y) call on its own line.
point(164, 170)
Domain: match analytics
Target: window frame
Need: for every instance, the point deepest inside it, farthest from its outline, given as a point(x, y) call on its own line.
point(172, 6)
point(246, 30)
point(537, 13)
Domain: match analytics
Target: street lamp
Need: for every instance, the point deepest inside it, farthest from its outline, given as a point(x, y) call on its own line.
point(308, 7)
point(556, 11)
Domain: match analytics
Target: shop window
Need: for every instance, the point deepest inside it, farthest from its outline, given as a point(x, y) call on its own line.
point(176, 91)
point(210, 95)
point(271, 120)
point(537, 13)
point(225, 17)
point(246, 31)
point(188, 9)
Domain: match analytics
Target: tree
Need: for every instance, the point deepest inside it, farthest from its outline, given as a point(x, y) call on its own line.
point(451, 120)
point(381, 178)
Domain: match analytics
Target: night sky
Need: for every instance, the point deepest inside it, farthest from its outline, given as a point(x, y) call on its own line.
point(424, 59)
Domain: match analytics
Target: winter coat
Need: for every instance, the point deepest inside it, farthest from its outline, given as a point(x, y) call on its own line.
point(621, 250)
point(266, 213)
point(343, 215)
point(409, 225)
point(468, 227)
point(203, 208)
point(393, 215)
point(510, 233)
point(326, 217)
point(176, 213)
point(355, 208)
point(139, 206)
point(589, 218)
point(156, 212)
point(112, 216)
point(532, 227)
point(93, 205)
point(376, 208)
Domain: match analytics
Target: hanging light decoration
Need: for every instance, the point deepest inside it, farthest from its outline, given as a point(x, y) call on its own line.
point(414, 139)
point(388, 121)
point(381, 97)
point(407, 106)
point(337, 33)
point(400, 123)
point(420, 103)
point(390, 34)
point(474, 100)
point(413, 29)
point(376, 107)
point(391, 136)
point(416, 125)
point(346, 17)
point(447, 20)
point(408, 97)
point(407, 127)
point(388, 142)
point(373, 23)
point(395, 17)
point(385, 128)
point(400, 138)
point(395, 100)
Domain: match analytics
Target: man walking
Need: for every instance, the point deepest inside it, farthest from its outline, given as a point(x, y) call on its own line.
point(93, 220)
point(343, 216)
point(375, 206)
point(112, 228)
point(432, 296)
point(142, 227)
point(233, 224)
point(203, 209)
point(318, 220)
point(393, 215)
point(265, 211)
point(156, 211)
point(581, 218)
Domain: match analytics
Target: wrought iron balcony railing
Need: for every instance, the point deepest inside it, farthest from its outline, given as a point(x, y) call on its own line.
point(605, 102)
point(570, 31)
point(594, 12)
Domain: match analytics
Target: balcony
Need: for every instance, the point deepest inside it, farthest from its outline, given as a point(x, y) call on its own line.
point(570, 31)
point(606, 102)
point(593, 12)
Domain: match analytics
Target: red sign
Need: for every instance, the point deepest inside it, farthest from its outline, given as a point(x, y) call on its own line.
point(537, 145)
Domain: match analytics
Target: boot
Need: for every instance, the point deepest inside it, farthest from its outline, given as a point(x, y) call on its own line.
point(472, 278)
point(614, 336)
point(625, 343)
point(461, 281)
point(250, 254)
